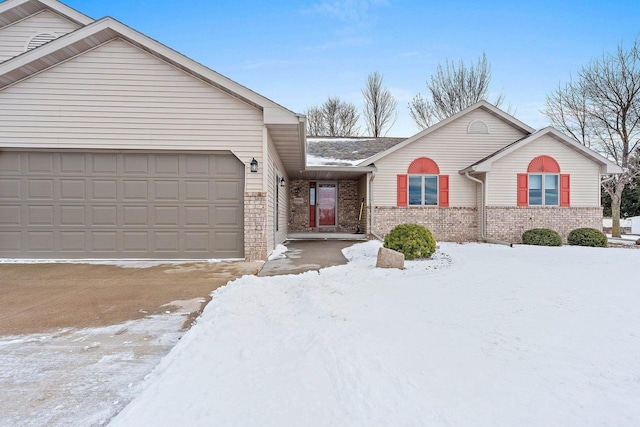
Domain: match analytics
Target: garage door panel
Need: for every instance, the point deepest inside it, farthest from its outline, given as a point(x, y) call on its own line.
point(135, 190)
point(40, 163)
point(73, 242)
point(198, 166)
point(39, 189)
point(195, 191)
point(104, 241)
point(105, 216)
point(103, 164)
point(166, 165)
point(226, 190)
point(40, 241)
point(227, 242)
point(135, 242)
point(136, 164)
point(168, 216)
point(135, 216)
point(227, 166)
point(196, 241)
point(73, 189)
point(73, 215)
point(120, 205)
point(166, 191)
point(40, 215)
point(227, 216)
point(73, 163)
point(166, 241)
point(10, 215)
point(11, 243)
point(103, 190)
point(196, 216)
point(10, 189)
point(10, 163)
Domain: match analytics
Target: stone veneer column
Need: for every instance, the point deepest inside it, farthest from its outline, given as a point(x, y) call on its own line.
point(255, 226)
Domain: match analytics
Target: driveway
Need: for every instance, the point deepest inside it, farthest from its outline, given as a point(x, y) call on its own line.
point(41, 297)
point(78, 339)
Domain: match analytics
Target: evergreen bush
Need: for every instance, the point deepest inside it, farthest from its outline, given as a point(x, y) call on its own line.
point(587, 237)
point(413, 240)
point(541, 237)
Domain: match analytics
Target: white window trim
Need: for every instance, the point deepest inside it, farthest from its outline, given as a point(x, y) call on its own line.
point(422, 176)
point(544, 196)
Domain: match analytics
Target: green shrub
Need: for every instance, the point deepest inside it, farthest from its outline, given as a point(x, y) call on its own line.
point(541, 237)
point(413, 240)
point(587, 237)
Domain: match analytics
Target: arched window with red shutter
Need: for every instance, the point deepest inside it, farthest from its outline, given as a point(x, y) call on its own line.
point(423, 185)
point(543, 184)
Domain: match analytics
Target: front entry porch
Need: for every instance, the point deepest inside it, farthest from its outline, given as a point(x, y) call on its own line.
point(323, 207)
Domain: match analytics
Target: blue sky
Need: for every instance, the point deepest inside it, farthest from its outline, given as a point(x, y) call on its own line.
point(298, 53)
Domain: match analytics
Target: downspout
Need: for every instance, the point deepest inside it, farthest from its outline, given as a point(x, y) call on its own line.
point(483, 235)
point(372, 207)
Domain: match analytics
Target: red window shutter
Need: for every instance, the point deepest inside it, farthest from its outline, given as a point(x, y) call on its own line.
point(523, 189)
point(444, 190)
point(565, 190)
point(402, 190)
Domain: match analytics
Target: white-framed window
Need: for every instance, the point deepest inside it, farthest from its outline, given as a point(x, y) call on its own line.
point(423, 190)
point(544, 189)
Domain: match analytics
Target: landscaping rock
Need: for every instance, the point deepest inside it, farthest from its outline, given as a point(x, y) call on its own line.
point(388, 258)
point(638, 241)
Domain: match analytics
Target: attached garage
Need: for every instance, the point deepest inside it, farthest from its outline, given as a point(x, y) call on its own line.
point(121, 204)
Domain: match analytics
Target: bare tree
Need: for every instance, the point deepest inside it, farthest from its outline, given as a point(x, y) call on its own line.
point(602, 109)
point(452, 89)
point(315, 122)
point(379, 106)
point(333, 118)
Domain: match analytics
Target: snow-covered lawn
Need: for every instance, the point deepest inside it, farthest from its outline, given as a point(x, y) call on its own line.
point(483, 335)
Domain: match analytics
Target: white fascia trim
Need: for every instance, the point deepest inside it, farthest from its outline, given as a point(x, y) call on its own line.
point(52, 5)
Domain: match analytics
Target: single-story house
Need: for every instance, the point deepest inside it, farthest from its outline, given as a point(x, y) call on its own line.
point(112, 145)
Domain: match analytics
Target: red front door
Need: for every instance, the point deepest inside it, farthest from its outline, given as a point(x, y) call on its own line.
point(326, 204)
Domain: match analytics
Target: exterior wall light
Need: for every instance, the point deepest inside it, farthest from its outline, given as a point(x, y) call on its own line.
point(254, 165)
point(282, 184)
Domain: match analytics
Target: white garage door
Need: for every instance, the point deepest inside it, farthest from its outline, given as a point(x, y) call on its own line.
point(121, 205)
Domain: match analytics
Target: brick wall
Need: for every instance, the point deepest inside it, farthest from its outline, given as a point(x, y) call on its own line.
point(348, 208)
point(255, 226)
point(508, 223)
point(299, 206)
point(447, 224)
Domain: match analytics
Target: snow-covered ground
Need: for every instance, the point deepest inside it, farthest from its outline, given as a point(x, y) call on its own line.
point(482, 335)
point(83, 377)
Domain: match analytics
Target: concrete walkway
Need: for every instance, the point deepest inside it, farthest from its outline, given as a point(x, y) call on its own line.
point(306, 255)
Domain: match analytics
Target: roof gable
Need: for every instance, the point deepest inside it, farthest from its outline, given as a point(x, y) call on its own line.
point(484, 165)
point(484, 105)
point(12, 11)
point(107, 29)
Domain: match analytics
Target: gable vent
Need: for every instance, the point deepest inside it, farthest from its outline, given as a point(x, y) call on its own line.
point(478, 126)
point(40, 39)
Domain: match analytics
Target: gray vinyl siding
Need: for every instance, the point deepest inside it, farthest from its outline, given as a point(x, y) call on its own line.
point(275, 167)
point(585, 174)
point(453, 149)
point(118, 96)
point(14, 38)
